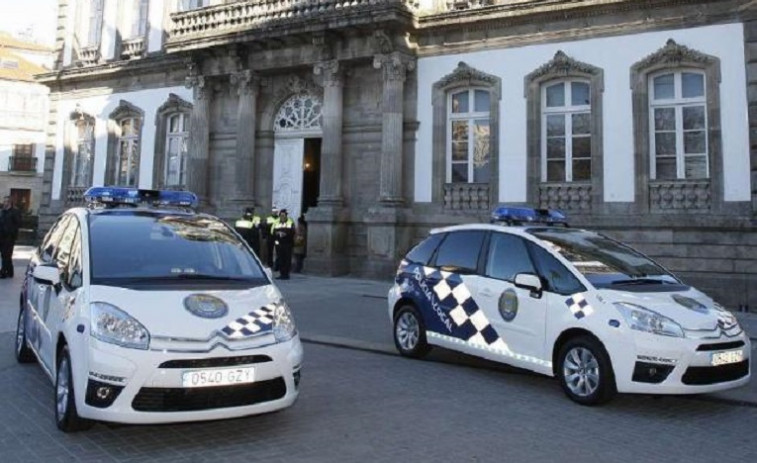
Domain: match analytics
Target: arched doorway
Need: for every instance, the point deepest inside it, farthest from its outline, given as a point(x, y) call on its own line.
point(297, 154)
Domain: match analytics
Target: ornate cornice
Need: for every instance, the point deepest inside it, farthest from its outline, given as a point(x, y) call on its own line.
point(396, 65)
point(174, 103)
point(465, 75)
point(562, 66)
point(673, 55)
point(126, 109)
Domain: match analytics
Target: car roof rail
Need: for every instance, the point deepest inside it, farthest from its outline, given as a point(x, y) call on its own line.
point(106, 197)
point(520, 215)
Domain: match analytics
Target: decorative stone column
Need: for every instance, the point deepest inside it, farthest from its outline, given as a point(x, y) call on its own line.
point(240, 180)
point(331, 145)
point(395, 66)
point(327, 223)
point(199, 138)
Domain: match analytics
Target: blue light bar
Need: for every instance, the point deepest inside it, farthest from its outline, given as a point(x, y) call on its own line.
point(108, 196)
point(525, 215)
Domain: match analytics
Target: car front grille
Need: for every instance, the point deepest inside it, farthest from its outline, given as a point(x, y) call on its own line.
point(713, 375)
point(206, 398)
point(216, 362)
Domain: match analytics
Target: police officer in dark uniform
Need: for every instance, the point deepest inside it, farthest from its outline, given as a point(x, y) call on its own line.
point(10, 222)
point(283, 233)
point(249, 227)
point(267, 233)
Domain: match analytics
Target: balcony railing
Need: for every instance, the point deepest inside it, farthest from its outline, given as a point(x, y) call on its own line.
point(75, 196)
point(245, 15)
point(569, 196)
point(24, 164)
point(133, 48)
point(679, 195)
point(466, 196)
point(89, 56)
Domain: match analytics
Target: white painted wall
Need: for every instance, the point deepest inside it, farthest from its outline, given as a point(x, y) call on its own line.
point(615, 55)
point(100, 107)
point(22, 119)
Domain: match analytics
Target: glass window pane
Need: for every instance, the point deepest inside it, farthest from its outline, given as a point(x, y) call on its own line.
point(460, 250)
point(482, 101)
point(581, 123)
point(174, 124)
point(693, 117)
point(460, 102)
point(481, 152)
point(459, 130)
point(694, 142)
point(460, 172)
point(664, 87)
point(555, 148)
point(666, 168)
point(508, 256)
point(693, 85)
point(580, 94)
point(664, 119)
point(581, 147)
point(665, 143)
point(581, 170)
point(555, 171)
point(555, 125)
point(696, 167)
point(422, 252)
point(556, 95)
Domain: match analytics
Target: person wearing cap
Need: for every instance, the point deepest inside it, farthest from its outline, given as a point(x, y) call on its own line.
point(283, 234)
point(267, 232)
point(249, 227)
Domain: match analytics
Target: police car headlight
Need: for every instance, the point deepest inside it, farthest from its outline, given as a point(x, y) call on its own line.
point(111, 324)
point(283, 323)
point(642, 319)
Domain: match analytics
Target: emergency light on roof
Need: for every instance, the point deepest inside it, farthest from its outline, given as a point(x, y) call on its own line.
point(115, 196)
point(526, 215)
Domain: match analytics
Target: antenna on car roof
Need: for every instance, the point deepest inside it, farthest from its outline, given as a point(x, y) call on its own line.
point(518, 215)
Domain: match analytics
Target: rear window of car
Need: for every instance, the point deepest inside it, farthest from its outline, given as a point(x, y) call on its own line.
point(161, 247)
point(422, 252)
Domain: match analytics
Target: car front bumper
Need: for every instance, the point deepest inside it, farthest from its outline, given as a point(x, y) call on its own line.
point(148, 383)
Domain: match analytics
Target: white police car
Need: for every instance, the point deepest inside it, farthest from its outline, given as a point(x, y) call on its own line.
point(143, 311)
point(570, 303)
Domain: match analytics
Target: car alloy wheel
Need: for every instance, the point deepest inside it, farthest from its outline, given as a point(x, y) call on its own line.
point(23, 353)
point(585, 371)
point(410, 333)
point(66, 416)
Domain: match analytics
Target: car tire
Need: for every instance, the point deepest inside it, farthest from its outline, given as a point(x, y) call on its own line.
point(66, 416)
point(24, 354)
point(585, 371)
point(410, 332)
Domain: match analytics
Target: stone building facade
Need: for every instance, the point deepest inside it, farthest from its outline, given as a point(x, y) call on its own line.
point(382, 119)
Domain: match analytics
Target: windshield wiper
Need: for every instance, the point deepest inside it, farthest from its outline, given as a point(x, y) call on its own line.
point(642, 281)
point(186, 276)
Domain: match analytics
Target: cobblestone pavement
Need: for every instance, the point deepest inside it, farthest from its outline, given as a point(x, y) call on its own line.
point(360, 404)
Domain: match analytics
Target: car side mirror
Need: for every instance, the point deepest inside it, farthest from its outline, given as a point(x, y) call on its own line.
point(47, 274)
point(530, 282)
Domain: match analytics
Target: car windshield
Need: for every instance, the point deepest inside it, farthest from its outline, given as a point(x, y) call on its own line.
point(603, 261)
point(146, 246)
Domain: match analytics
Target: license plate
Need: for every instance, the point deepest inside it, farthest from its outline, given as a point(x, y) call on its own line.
point(218, 377)
point(724, 358)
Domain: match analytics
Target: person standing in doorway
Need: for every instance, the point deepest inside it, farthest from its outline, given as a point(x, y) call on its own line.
point(283, 234)
point(267, 233)
point(10, 222)
point(300, 244)
point(249, 227)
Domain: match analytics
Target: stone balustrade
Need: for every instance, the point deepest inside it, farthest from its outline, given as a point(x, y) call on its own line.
point(133, 48)
point(574, 197)
point(466, 196)
point(453, 5)
point(679, 196)
point(243, 15)
point(89, 56)
point(75, 196)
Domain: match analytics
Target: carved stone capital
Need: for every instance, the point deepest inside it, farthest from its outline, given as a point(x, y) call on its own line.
point(396, 65)
point(330, 71)
point(198, 85)
point(246, 82)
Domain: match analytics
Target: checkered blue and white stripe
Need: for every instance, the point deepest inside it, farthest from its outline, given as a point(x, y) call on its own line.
point(473, 326)
point(254, 322)
point(579, 306)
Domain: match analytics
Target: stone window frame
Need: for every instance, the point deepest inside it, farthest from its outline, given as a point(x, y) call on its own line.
point(470, 118)
point(564, 68)
point(172, 106)
point(463, 77)
point(71, 142)
point(124, 110)
point(674, 57)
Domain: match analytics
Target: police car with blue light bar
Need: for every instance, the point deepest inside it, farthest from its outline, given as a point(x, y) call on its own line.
point(141, 310)
point(600, 316)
